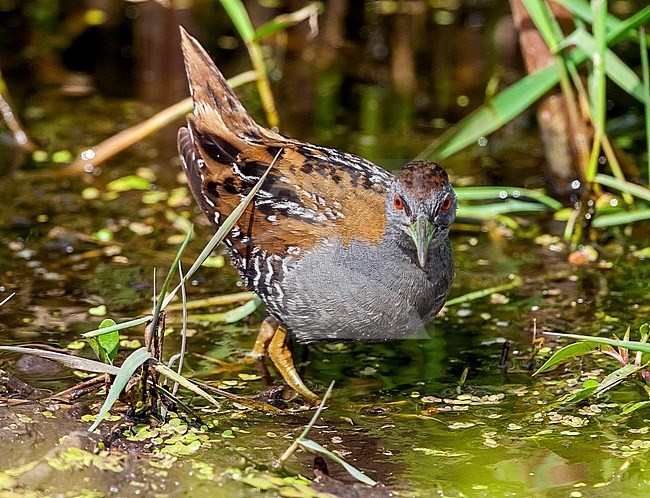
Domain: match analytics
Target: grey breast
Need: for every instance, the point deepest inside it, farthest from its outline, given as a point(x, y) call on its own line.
point(365, 293)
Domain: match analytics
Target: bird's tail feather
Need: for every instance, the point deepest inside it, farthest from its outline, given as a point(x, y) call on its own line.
point(215, 102)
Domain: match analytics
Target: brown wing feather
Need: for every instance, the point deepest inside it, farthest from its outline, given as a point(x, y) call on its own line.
point(312, 193)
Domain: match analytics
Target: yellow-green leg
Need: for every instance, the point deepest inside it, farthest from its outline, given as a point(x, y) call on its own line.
point(272, 338)
point(264, 336)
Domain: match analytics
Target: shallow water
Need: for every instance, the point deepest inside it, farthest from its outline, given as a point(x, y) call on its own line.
point(397, 412)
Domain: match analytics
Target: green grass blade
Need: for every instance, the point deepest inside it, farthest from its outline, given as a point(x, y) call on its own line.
point(608, 220)
point(471, 296)
point(493, 193)
point(616, 377)
point(615, 68)
point(230, 316)
point(544, 21)
point(624, 186)
point(284, 21)
point(187, 384)
point(514, 99)
point(493, 115)
point(239, 17)
point(645, 70)
point(597, 89)
point(567, 352)
point(636, 406)
point(631, 345)
point(354, 472)
point(597, 79)
point(119, 326)
point(66, 359)
point(168, 279)
point(134, 361)
point(489, 211)
point(582, 10)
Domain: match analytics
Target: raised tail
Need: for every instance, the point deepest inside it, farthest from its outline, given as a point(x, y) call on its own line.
point(216, 106)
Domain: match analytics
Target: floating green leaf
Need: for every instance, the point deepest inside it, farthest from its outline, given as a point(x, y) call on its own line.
point(126, 183)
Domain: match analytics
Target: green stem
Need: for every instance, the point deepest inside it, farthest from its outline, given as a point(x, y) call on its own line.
point(646, 85)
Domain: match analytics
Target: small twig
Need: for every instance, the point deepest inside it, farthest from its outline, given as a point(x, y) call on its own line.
point(79, 390)
point(7, 298)
point(294, 446)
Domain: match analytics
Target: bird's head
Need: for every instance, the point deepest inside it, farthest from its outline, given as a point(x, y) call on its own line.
point(420, 208)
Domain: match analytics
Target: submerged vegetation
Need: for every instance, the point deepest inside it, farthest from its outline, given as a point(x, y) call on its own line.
point(195, 410)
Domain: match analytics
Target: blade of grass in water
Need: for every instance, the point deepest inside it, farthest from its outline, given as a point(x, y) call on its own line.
point(514, 99)
point(631, 345)
point(616, 69)
point(215, 301)
point(230, 316)
point(516, 282)
point(571, 351)
point(187, 384)
point(608, 220)
point(623, 186)
point(317, 448)
point(134, 361)
point(488, 211)
point(168, 280)
point(493, 193)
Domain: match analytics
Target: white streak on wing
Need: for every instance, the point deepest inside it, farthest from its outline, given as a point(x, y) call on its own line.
point(258, 273)
point(208, 201)
point(237, 171)
point(217, 215)
point(269, 273)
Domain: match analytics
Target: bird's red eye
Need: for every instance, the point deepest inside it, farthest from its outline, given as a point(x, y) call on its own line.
point(446, 204)
point(398, 202)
